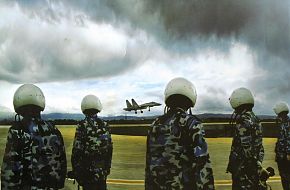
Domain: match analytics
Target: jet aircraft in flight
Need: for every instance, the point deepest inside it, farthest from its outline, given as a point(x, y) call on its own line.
point(134, 106)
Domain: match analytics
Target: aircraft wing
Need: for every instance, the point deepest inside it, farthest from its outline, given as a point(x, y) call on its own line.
point(150, 104)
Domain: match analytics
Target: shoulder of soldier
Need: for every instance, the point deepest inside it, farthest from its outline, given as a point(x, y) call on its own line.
point(157, 120)
point(248, 119)
point(102, 123)
point(16, 125)
point(288, 120)
point(52, 127)
point(99, 120)
point(15, 129)
point(48, 123)
point(81, 126)
point(82, 123)
point(106, 124)
point(162, 119)
point(192, 120)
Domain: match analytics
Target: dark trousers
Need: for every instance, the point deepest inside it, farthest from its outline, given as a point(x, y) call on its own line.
point(246, 178)
point(284, 171)
point(99, 185)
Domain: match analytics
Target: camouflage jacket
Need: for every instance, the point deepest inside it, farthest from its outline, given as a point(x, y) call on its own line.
point(92, 150)
point(34, 156)
point(282, 148)
point(177, 156)
point(247, 147)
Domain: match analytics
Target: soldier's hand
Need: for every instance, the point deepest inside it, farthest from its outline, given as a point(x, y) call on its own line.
point(264, 174)
point(71, 174)
point(288, 157)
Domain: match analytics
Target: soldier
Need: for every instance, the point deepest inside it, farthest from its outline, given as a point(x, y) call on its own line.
point(247, 151)
point(92, 148)
point(177, 155)
point(282, 148)
point(35, 155)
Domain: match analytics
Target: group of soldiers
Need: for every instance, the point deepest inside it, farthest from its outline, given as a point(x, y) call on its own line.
point(35, 157)
point(176, 158)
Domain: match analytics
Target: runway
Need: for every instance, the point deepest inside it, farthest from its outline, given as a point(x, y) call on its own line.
point(274, 179)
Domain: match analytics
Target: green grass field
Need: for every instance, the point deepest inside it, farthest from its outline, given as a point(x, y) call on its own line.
point(129, 159)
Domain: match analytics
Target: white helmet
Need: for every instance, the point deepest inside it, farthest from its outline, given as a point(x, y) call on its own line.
point(28, 94)
point(281, 107)
point(180, 86)
point(241, 96)
point(91, 102)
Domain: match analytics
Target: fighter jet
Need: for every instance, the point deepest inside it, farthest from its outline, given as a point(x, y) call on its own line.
point(134, 106)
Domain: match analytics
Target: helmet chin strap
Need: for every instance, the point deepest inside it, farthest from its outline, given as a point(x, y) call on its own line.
point(166, 109)
point(190, 111)
point(17, 117)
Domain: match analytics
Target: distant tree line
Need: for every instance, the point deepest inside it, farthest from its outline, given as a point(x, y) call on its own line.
point(124, 121)
point(6, 122)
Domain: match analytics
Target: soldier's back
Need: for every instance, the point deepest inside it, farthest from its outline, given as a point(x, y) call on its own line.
point(172, 157)
point(41, 156)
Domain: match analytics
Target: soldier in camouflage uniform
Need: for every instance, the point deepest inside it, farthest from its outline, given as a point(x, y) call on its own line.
point(247, 150)
point(34, 156)
point(177, 155)
point(282, 148)
point(92, 148)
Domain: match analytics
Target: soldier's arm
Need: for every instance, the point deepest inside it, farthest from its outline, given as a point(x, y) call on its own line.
point(62, 160)
point(110, 148)
point(148, 178)
point(288, 141)
point(78, 146)
point(201, 164)
point(12, 167)
point(244, 130)
point(249, 151)
point(261, 155)
point(197, 139)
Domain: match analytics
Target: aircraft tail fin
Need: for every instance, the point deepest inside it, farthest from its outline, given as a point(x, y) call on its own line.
point(134, 103)
point(128, 104)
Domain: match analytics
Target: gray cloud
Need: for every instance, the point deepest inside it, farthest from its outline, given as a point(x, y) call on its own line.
point(53, 44)
point(215, 100)
point(259, 24)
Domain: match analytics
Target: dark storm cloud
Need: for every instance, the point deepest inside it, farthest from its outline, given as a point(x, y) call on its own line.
point(262, 25)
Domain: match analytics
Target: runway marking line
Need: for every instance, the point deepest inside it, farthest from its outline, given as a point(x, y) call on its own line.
point(141, 182)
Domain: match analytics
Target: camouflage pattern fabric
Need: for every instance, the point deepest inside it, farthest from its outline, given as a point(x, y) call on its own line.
point(247, 152)
point(177, 156)
point(282, 149)
point(34, 156)
point(92, 151)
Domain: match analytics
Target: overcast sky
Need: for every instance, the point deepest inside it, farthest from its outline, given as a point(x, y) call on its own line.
point(123, 49)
